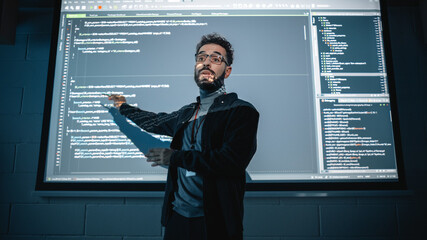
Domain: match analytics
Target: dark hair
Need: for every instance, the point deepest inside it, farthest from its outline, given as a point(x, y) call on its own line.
point(216, 38)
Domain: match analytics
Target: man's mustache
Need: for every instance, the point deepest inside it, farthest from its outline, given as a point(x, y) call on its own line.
point(206, 68)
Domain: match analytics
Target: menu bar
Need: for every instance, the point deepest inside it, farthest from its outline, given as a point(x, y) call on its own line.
point(132, 5)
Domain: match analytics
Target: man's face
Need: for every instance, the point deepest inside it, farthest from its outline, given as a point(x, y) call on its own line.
point(208, 75)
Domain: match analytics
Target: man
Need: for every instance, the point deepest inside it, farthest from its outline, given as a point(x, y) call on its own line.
point(213, 141)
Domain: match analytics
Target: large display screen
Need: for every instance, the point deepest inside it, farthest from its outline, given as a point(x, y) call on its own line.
point(315, 70)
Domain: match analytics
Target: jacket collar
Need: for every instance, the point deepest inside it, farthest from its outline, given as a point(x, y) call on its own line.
point(227, 98)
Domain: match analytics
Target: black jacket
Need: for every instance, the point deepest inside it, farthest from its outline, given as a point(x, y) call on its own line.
point(228, 144)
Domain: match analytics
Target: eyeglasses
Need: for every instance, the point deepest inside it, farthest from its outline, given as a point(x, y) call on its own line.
point(213, 58)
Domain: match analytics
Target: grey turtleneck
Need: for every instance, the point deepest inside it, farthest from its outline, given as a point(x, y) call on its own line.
point(189, 196)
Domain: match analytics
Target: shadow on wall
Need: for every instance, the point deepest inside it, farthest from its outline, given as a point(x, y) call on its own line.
point(141, 139)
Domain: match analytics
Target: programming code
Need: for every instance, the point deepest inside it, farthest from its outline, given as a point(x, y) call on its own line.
point(317, 77)
point(354, 102)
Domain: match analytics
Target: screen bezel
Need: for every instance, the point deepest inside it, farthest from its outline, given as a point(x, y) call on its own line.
point(400, 184)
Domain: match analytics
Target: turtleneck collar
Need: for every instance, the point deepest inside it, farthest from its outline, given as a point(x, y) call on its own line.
point(209, 96)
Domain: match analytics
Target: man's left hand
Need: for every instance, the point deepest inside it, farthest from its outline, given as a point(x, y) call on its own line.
point(159, 156)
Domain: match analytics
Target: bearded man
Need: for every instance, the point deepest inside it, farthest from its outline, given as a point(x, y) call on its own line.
point(214, 140)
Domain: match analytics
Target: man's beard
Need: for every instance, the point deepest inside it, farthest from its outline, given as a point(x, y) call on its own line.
point(217, 83)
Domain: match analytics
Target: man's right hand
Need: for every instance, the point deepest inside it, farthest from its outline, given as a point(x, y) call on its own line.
point(118, 100)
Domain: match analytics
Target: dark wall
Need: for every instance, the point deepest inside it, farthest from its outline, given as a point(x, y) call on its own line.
point(25, 215)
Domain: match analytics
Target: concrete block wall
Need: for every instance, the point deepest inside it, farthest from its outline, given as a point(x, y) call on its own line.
point(27, 216)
